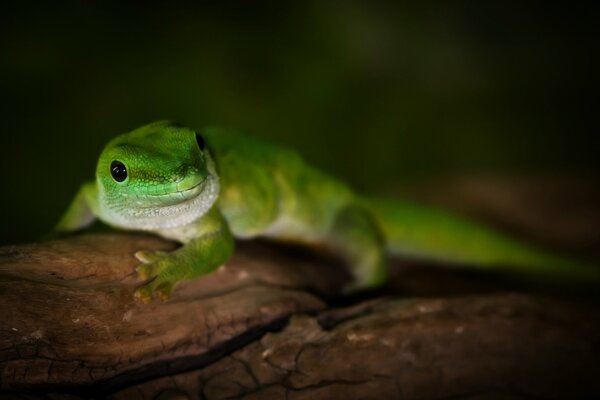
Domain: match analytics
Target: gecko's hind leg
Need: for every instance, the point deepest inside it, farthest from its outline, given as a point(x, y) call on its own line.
point(356, 234)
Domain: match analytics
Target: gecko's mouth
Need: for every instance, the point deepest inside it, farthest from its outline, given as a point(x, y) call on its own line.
point(178, 193)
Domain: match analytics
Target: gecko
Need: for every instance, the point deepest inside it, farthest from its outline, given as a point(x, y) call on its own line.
point(206, 188)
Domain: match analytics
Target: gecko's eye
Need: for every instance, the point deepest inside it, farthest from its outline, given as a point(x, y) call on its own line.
point(118, 171)
point(200, 141)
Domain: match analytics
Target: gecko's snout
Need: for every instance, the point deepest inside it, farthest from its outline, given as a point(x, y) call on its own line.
point(187, 177)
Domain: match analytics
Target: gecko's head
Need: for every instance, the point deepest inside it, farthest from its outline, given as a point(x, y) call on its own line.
point(157, 176)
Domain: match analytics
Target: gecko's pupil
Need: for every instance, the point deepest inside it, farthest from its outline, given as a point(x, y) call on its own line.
point(200, 141)
point(118, 171)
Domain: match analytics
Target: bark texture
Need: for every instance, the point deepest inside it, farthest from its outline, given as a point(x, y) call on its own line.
point(269, 325)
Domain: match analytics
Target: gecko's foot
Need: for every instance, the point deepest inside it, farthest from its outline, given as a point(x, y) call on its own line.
point(152, 263)
point(160, 267)
point(366, 279)
point(160, 290)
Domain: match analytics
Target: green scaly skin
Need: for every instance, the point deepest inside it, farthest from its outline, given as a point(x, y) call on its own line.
point(203, 189)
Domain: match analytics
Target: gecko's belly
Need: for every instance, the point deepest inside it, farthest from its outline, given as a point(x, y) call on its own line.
point(292, 229)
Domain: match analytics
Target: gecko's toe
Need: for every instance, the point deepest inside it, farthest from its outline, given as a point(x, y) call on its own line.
point(148, 256)
point(142, 256)
point(145, 271)
point(163, 291)
point(143, 295)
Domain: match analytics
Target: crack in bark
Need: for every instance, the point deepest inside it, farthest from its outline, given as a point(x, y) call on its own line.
point(247, 368)
point(156, 370)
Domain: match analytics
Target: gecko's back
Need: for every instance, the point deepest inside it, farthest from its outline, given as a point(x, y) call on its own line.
point(268, 190)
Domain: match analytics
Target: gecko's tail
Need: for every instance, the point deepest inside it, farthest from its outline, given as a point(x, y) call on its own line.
point(422, 232)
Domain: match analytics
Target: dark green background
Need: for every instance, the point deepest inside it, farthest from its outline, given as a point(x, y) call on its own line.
point(376, 94)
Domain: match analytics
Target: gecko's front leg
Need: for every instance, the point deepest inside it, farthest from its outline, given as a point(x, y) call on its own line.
point(208, 243)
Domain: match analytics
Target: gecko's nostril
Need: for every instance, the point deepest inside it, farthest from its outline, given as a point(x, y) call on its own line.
point(186, 169)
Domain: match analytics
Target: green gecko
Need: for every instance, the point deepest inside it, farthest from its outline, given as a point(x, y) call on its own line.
point(203, 189)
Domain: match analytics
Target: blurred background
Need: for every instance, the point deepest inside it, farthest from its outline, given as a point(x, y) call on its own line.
point(379, 94)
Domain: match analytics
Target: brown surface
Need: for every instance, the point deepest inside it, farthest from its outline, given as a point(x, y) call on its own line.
point(469, 347)
point(260, 328)
point(69, 319)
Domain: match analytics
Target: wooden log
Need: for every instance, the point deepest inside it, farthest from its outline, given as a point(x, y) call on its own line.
point(70, 328)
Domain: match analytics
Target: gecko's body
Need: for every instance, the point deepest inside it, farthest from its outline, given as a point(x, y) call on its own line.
point(203, 189)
